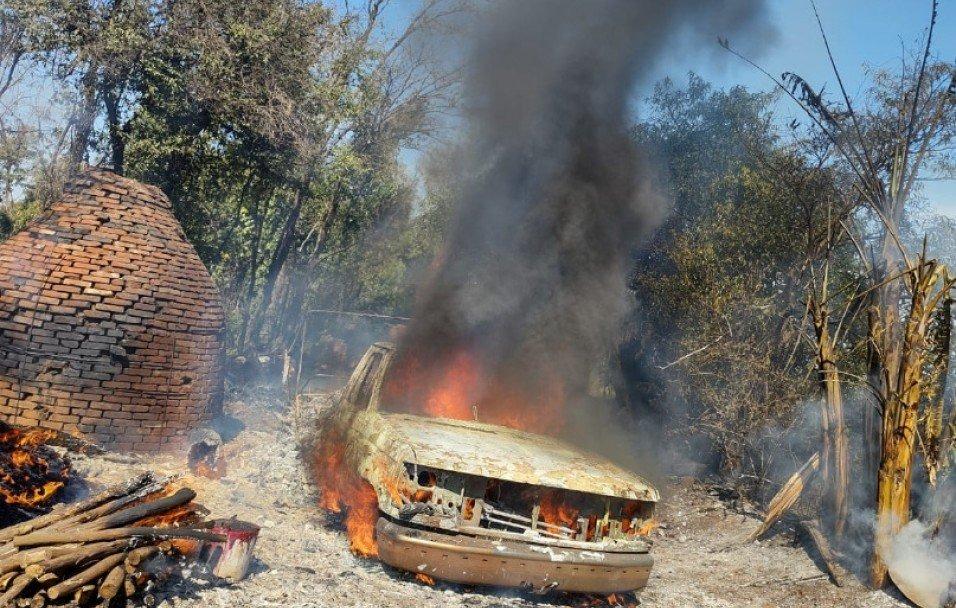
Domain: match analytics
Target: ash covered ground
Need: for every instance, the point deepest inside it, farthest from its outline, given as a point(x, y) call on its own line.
point(303, 560)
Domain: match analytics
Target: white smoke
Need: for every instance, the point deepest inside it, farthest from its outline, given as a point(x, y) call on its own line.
point(921, 558)
point(921, 563)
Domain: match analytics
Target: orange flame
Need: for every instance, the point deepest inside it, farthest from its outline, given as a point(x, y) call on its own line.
point(462, 389)
point(453, 394)
point(423, 578)
point(341, 489)
point(617, 600)
point(647, 527)
point(216, 470)
point(177, 516)
point(30, 472)
point(632, 523)
point(556, 511)
point(400, 492)
point(183, 515)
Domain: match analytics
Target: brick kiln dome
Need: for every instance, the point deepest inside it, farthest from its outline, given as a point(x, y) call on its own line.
point(110, 325)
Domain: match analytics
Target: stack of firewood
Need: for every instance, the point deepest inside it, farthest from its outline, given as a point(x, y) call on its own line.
point(102, 550)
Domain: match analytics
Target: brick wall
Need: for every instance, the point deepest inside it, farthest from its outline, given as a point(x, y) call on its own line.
point(110, 325)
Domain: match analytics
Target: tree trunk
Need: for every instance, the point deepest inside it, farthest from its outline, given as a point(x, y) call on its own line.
point(872, 404)
point(279, 257)
point(835, 454)
point(111, 102)
point(299, 280)
point(838, 471)
point(83, 120)
point(250, 270)
point(886, 345)
point(935, 428)
point(900, 416)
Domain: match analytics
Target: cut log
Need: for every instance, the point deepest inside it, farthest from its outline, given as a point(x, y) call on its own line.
point(17, 585)
point(85, 577)
point(34, 556)
point(143, 510)
point(787, 496)
point(89, 536)
point(38, 600)
point(21, 559)
point(77, 557)
point(139, 555)
point(836, 572)
point(135, 582)
point(49, 578)
point(84, 595)
point(112, 583)
point(129, 586)
point(65, 512)
point(6, 578)
point(112, 506)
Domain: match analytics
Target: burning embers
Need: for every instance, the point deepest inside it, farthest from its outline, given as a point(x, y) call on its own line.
point(460, 387)
point(31, 473)
point(205, 457)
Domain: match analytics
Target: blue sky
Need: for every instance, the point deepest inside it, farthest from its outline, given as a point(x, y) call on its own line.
point(861, 32)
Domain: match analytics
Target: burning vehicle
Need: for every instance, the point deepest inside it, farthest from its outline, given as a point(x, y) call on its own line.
point(476, 503)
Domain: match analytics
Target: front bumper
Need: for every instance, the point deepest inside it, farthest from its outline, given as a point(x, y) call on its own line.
point(462, 558)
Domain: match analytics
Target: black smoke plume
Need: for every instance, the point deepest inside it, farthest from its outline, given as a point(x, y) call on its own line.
point(531, 282)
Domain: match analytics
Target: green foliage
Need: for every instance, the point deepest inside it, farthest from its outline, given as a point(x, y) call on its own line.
point(274, 126)
point(722, 285)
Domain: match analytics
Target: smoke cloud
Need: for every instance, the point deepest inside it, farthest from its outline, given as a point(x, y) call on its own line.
point(531, 282)
point(921, 564)
point(921, 558)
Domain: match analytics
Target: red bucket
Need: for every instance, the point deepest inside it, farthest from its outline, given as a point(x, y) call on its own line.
point(230, 559)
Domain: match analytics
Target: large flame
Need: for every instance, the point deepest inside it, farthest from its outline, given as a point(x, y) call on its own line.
point(341, 489)
point(461, 388)
point(455, 394)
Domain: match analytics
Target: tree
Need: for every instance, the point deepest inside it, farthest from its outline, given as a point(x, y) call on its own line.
point(884, 142)
point(274, 127)
point(718, 291)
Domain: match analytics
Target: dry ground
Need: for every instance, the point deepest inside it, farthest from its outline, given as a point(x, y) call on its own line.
point(303, 557)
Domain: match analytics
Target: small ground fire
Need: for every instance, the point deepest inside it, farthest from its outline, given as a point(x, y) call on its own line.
point(31, 473)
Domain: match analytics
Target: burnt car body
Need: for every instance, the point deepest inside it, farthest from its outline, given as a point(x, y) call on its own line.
point(477, 503)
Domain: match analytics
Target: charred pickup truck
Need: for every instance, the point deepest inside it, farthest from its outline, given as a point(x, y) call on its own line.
point(476, 503)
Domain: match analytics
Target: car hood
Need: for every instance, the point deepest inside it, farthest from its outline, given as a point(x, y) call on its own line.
point(497, 452)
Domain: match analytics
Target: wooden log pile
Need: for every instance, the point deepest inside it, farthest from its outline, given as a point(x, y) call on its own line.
point(112, 547)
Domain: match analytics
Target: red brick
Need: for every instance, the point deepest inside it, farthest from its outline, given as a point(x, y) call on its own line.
point(150, 294)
